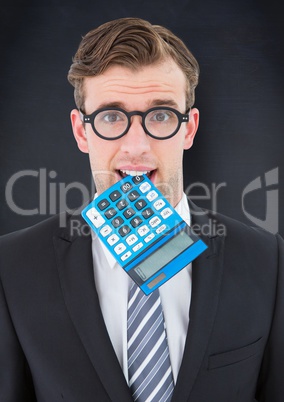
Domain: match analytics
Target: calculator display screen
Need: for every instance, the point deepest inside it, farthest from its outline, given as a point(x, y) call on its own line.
point(163, 255)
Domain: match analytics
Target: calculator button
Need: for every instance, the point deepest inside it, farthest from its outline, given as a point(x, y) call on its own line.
point(120, 248)
point(122, 204)
point(126, 187)
point(166, 213)
point(161, 229)
point(149, 238)
point(124, 230)
point(138, 246)
point(128, 213)
point(95, 217)
point(159, 204)
point(143, 230)
point(152, 195)
point(110, 213)
point(115, 195)
point(131, 239)
point(112, 239)
point(147, 213)
point(145, 187)
point(106, 230)
point(154, 221)
point(116, 222)
point(138, 179)
point(133, 195)
point(126, 255)
point(136, 222)
point(140, 204)
point(103, 204)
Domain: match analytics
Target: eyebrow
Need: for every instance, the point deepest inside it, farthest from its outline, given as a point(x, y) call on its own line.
point(153, 103)
point(163, 102)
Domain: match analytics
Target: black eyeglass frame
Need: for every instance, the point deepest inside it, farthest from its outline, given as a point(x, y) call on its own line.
point(90, 118)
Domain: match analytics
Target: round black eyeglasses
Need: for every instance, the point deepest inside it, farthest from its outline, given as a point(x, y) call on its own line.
point(158, 122)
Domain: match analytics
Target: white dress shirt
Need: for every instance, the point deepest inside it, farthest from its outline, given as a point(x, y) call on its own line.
point(113, 283)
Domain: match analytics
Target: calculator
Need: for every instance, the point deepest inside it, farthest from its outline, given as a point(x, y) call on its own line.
point(144, 233)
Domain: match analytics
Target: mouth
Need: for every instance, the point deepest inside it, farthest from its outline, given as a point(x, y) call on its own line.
point(126, 172)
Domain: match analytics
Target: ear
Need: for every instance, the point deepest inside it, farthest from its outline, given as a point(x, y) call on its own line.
point(79, 131)
point(191, 128)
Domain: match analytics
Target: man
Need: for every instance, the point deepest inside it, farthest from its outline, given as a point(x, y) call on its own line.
point(64, 299)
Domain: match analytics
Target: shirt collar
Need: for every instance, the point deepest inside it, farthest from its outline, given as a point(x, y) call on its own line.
point(182, 209)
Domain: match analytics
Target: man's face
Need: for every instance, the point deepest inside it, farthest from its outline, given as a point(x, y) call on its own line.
point(136, 152)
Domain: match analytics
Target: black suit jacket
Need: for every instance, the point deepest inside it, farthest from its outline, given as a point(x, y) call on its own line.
point(54, 345)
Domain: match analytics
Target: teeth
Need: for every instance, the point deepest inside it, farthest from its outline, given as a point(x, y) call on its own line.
point(134, 172)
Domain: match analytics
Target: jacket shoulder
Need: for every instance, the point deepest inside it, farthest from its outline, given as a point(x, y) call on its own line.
point(24, 246)
point(42, 229)
point(246, 238)
point(211, 224)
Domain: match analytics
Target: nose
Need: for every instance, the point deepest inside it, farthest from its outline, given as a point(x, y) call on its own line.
point(135, 142)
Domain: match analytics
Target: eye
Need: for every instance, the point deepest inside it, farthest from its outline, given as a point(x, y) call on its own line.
point(161, 116)
point(112, 116)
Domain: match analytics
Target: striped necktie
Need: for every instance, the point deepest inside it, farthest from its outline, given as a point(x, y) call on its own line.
point(149, 366)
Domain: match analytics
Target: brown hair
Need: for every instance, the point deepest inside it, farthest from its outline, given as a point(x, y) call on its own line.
point(132, 43)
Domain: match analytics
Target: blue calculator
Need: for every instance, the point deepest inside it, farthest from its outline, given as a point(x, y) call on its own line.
point(144, 233)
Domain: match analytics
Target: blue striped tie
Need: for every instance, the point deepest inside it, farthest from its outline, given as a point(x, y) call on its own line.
point(149, 366)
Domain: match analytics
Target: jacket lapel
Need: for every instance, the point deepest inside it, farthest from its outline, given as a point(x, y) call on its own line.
point(207, 272)
point(75, 267)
